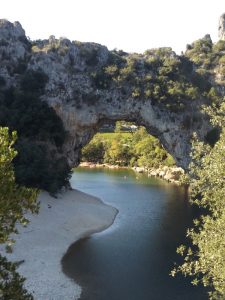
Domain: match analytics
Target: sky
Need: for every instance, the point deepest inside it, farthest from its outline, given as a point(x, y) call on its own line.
point(130, 25)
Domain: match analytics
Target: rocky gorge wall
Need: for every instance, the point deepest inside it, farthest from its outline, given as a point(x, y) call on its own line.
point(88, 85)
point(221, 28)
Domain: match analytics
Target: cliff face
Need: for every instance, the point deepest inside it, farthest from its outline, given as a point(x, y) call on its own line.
point(89, 85)
point(222, 27)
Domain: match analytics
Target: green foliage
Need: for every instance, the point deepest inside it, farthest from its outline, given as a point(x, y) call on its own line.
point(52, 45)
point(14, 201)
point(148, 151)
point(13, 198)
point(207, 56)
point(127, 149)
point(219, 46)
point(101, 79)
point(11, 283)
point(36, 124)
point(94, 151)
point(118, 151)
point(112, 70)
point(200, 51)
point(205, 259)
point(118, 126)
point(123, 126)
point(117, 57)
point(160, 75)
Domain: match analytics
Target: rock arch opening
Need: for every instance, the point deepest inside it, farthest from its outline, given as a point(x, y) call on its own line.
point(124, 144)
point(173, 131)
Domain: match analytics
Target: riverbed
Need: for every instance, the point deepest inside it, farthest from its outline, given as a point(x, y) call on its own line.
point(133, 258)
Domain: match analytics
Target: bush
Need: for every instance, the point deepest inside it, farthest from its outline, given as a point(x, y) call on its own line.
point(94, 151)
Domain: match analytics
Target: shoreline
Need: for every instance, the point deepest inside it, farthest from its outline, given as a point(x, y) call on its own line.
point(170, 174)
point(42, 244)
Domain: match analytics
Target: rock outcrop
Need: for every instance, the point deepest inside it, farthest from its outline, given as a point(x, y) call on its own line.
point(170, 174)
point(85, 96)
point(222, 27)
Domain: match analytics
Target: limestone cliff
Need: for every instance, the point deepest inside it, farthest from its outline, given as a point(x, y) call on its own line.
point(89, 85)
point(222, 27)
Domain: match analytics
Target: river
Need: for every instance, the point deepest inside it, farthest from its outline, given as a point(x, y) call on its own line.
point(132, 259)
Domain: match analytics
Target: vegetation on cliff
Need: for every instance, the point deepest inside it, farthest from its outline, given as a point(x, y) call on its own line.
point(207, 57)
point(171, 81)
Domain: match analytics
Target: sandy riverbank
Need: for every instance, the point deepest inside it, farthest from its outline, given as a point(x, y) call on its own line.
point(42, 244)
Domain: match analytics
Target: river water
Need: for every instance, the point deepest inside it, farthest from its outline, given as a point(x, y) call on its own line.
point(132, 259)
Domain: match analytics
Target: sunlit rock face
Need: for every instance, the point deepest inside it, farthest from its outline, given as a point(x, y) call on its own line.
point(84, 101)
point(222, 27)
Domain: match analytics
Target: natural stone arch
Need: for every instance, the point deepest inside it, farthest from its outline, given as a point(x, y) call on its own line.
point(221, 28)
point(89, 85)
point(168, 128)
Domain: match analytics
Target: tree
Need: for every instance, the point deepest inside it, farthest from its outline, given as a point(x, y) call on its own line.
point(119, 126)
point(14, 201)
point(94, 151)
point(205, 259)
point(118, 151)
point(11, 283)
point(148, 151)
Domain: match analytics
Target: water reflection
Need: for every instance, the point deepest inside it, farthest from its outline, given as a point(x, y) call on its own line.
point(132, 261)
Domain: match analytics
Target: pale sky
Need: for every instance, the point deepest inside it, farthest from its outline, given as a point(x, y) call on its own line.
point(131, 25)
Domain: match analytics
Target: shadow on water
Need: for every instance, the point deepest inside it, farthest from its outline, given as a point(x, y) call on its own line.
point(132, 262)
